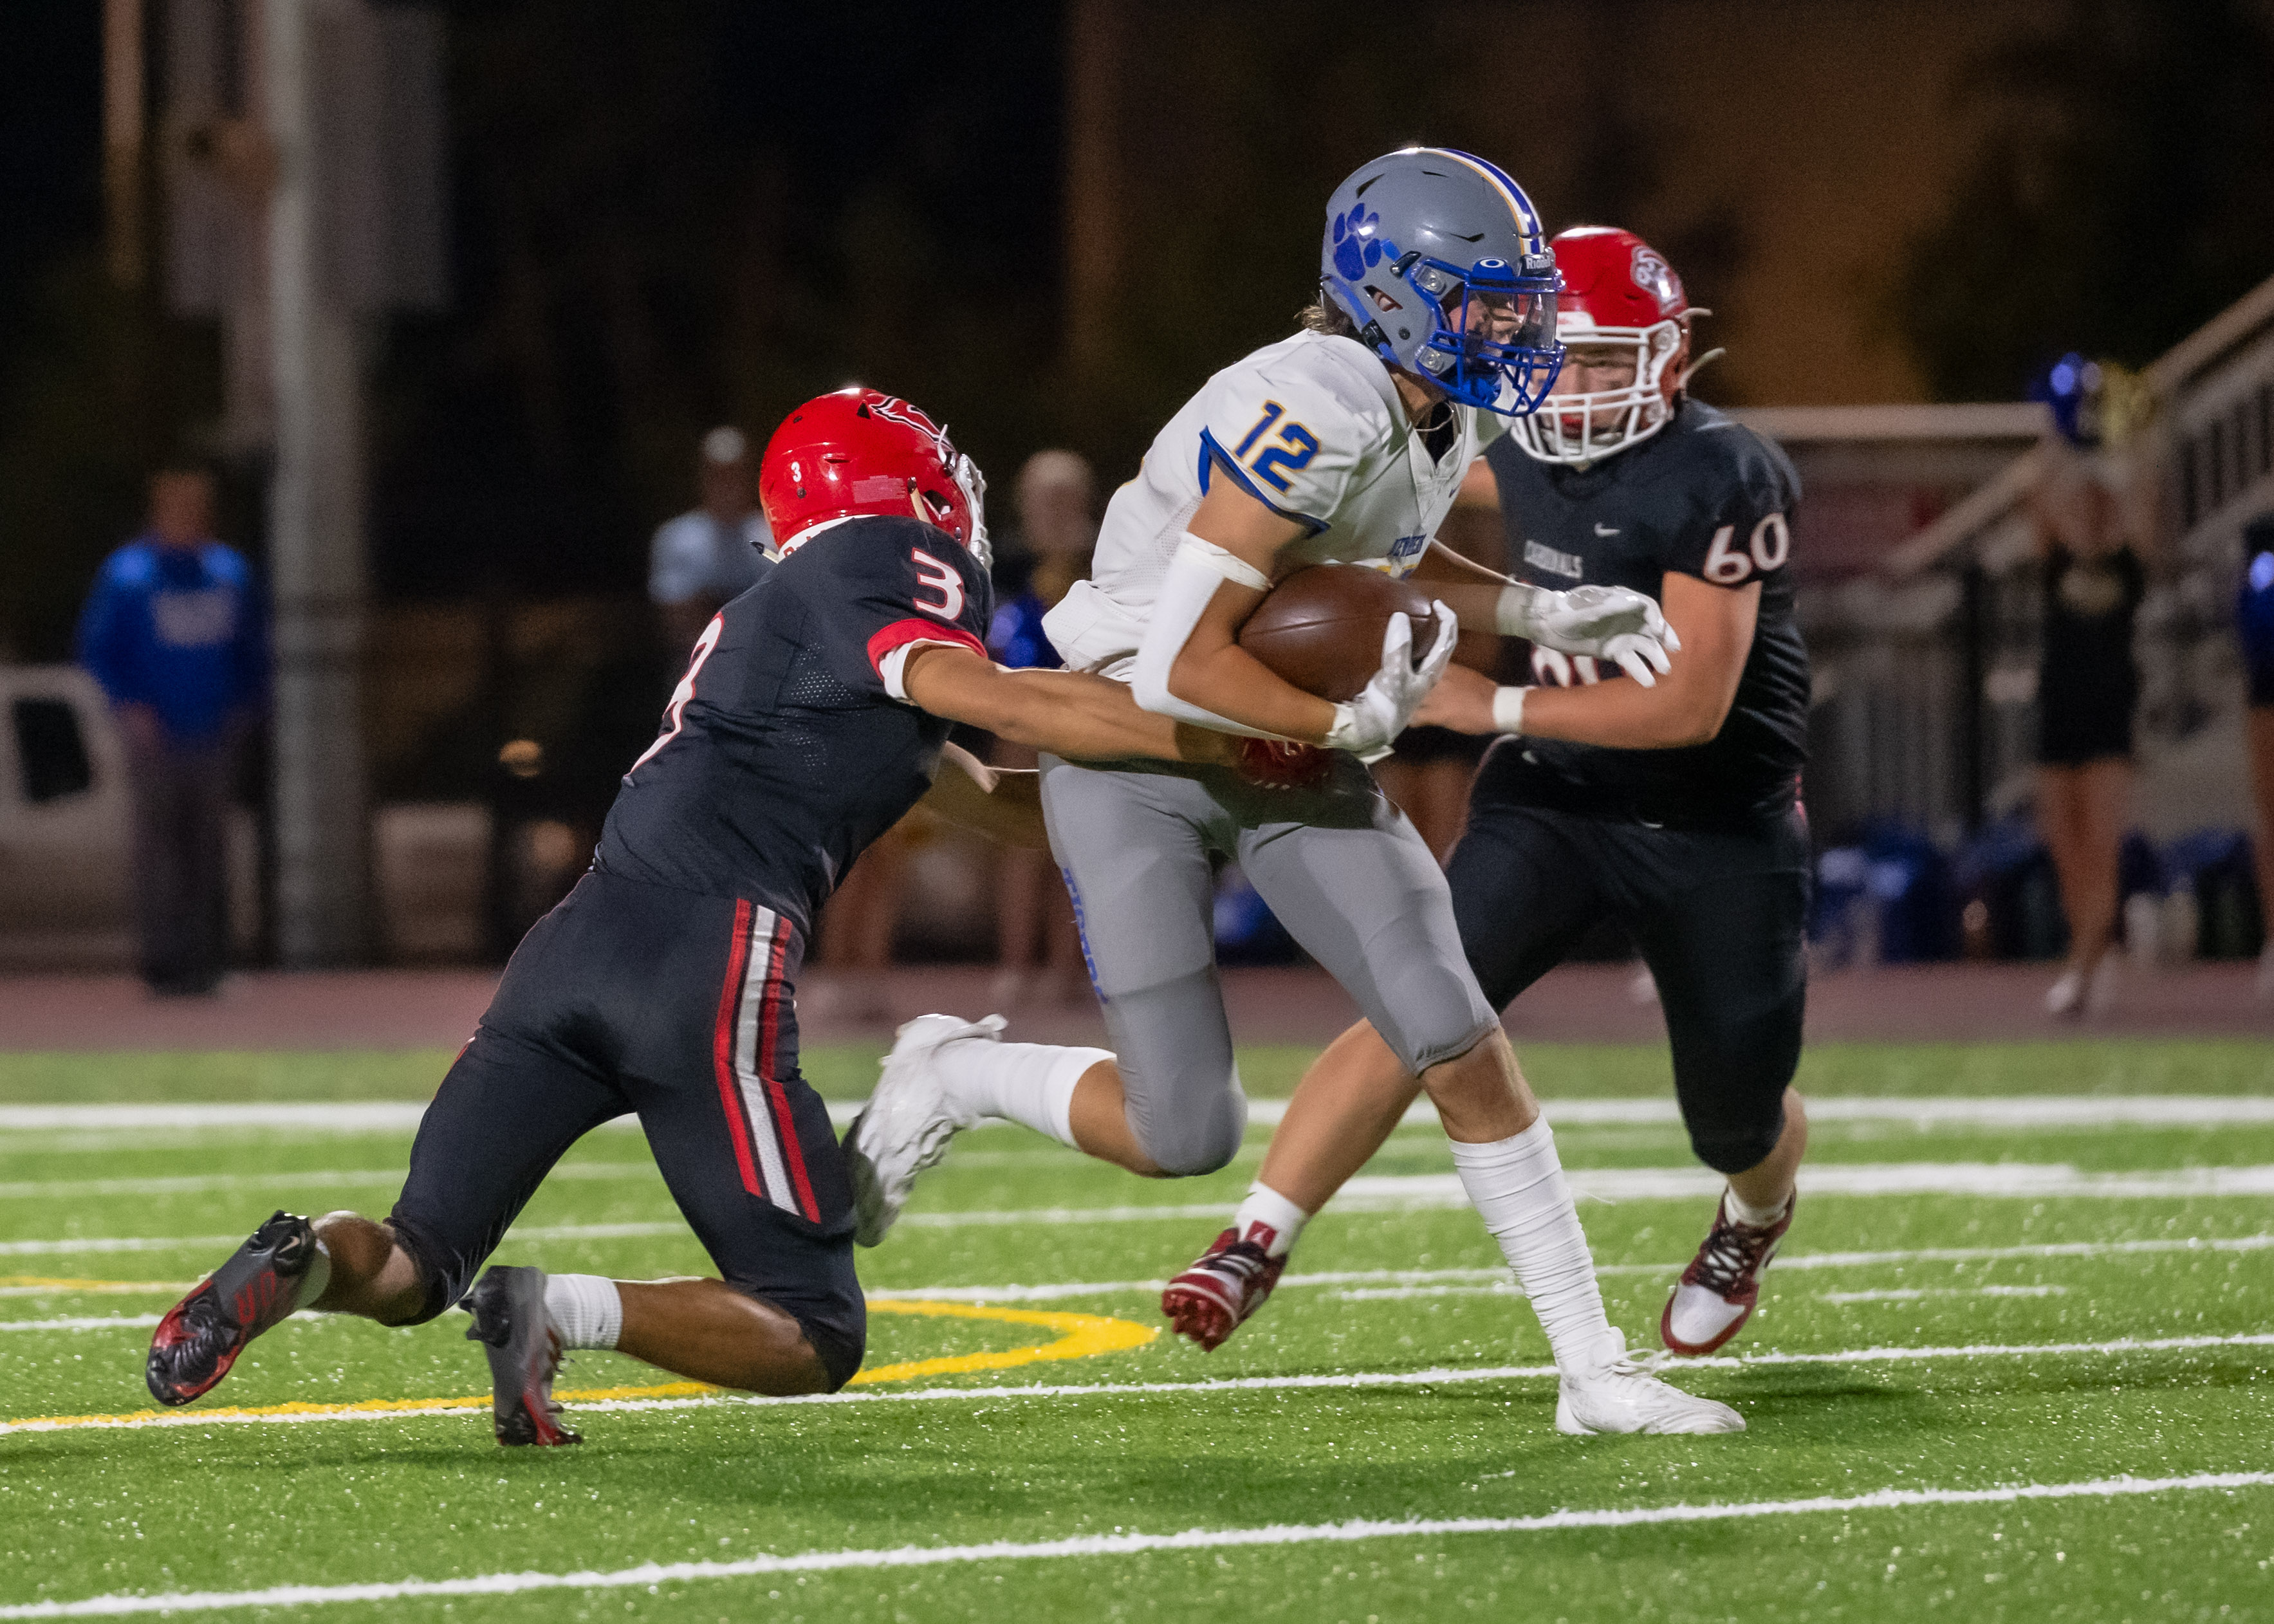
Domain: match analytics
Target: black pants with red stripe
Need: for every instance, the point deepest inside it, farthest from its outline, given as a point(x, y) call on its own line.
point(632, 997)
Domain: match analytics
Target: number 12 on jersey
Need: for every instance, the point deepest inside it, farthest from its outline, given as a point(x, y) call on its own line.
point(1292, 448)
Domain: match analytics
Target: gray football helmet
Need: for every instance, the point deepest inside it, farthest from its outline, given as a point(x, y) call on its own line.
point(1439, 259)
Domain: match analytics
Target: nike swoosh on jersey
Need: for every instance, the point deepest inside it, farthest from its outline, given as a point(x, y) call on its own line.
point(1606, 530)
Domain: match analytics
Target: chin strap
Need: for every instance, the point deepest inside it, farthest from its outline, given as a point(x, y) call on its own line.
point(1698, 366)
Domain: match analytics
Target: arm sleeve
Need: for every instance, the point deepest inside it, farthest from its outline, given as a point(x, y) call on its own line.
point(888, 588)
point(1291, 441)
point(1737, 528)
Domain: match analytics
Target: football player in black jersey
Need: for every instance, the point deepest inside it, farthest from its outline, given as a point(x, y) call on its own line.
point(813, 714)
point(1673, 808)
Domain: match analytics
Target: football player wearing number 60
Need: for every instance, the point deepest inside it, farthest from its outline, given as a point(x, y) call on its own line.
point(1345, 443)
point(1673, 807)
point(813, 713)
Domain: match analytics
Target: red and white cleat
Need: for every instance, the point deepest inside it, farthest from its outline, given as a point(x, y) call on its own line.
point(279, 1271)
point(1230, 1281)
point(1721, 1287)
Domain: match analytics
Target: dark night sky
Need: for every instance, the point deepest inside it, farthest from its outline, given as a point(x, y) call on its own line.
point(673, 213)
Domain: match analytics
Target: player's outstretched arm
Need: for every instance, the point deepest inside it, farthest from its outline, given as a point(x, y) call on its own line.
point(1686, 707)
point(1614, 624)
point(1065, 713)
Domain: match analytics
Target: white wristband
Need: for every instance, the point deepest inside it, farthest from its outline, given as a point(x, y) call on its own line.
point(1231, 566)
point(1508, 710)
point(1512, 614)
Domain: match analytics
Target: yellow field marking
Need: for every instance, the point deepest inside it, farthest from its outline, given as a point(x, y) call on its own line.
point(26, 1285)
point(1082, 1337)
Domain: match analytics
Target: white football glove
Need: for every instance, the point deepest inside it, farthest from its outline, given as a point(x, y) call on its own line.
point(1367, 725)
point(1612, 623)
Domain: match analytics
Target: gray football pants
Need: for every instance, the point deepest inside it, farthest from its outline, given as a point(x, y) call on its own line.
point(1340, 867)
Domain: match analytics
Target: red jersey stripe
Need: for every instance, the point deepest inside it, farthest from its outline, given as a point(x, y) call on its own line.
point(722, 1049)
point(899, 633)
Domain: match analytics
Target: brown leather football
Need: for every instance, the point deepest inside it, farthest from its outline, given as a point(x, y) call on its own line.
point(1321, 628)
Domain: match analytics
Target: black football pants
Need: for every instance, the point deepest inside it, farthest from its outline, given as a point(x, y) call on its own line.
point(1721, 919)
point(632, 997)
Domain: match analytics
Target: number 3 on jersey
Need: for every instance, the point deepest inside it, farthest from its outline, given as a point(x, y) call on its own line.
point(1767, 548)
point(940, 577)
point(1292, 448)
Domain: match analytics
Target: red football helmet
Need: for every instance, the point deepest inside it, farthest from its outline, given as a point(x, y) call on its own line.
point(858, 451)
point(1618, 290)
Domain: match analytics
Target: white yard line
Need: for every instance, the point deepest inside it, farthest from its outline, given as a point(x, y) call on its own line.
point(323, 1117)
point(650, 1574)
point(1912, 1294)
point(342, 1178)
point(1427, 1192)
point(1432, 1377)
point(1365, 1285)
point(1497, 1279)
point(1995, 1111)
point(2190, 1182)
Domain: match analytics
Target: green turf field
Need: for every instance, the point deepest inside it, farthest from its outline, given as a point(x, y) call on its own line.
point(2014, 1364)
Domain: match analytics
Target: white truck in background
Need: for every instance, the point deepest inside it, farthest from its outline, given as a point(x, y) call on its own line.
point(67, 845)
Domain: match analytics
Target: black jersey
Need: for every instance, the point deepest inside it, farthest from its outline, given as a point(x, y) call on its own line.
point(789, 745)
point(1705, 496)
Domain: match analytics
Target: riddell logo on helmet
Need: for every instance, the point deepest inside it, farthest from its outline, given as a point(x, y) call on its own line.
point(1654, 276)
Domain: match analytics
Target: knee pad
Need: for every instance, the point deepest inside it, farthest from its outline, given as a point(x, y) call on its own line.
point(841, 1351)
point(1432, 1013)
point(1730, 1073)
point(1184, 1147)
point(1732, 1147)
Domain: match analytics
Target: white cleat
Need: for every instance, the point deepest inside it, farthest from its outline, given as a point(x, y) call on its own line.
point(1619, 1395)
point(908, 1120)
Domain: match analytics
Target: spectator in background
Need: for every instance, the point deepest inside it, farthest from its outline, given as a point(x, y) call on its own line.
point(701, 559)
point(1039, 946)
point(2086, 517)
point(173, 631)
point(2253, 625)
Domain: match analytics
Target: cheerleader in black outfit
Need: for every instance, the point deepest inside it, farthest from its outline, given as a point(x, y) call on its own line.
point(2088, 682)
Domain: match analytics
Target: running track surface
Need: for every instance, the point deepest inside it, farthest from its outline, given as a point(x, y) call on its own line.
point(436, 1008)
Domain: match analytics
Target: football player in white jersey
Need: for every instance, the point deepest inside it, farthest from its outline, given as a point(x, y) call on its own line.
point(1345, 443)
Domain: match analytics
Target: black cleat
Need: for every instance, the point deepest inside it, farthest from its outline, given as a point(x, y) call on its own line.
point(279, 1270)
point(510, 1323)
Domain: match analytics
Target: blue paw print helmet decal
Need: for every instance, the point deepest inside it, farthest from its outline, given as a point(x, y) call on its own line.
point(1355, 238)
point(1439, 259)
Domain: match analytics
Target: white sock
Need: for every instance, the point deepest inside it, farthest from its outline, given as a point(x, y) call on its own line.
point(1759, 1217)
point(1030, 1084)
point(586, 1309)
point(1517, 1186)
point(1269, 1219)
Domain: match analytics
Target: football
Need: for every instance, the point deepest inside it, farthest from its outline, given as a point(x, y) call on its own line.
point(1321, 628)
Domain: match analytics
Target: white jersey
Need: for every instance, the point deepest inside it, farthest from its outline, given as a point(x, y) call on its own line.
point(1312, 427)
